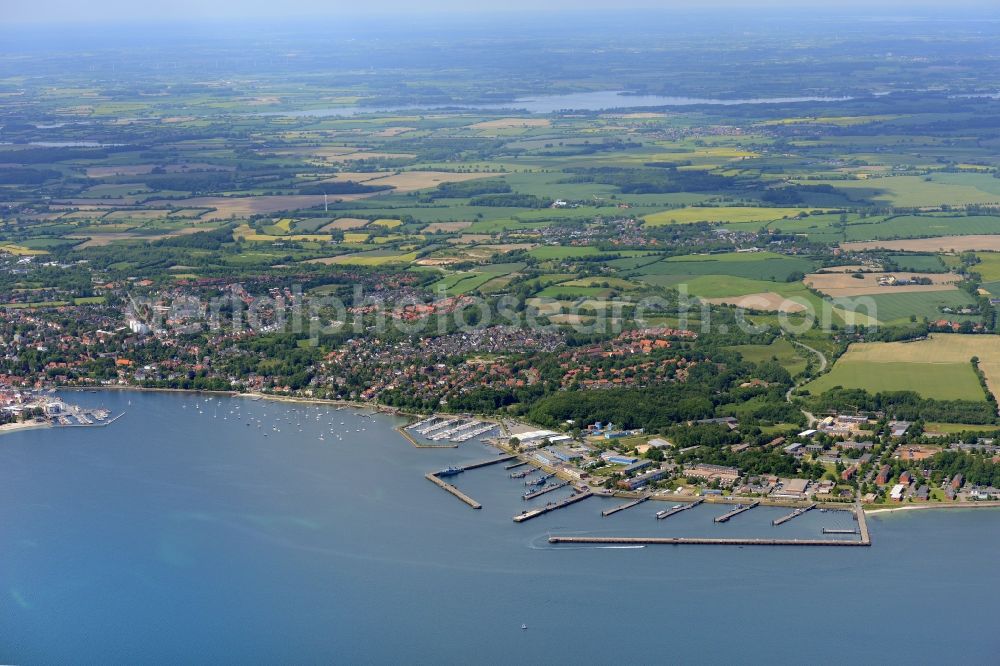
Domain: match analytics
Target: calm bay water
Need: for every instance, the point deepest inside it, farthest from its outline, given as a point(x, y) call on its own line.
point(179, 536)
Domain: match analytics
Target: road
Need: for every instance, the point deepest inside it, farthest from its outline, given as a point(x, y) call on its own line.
point(822, 366)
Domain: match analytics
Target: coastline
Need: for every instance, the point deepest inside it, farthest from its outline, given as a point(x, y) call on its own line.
point(931, 507)
point(24, 425)
point(253, 395)
point(393, 411)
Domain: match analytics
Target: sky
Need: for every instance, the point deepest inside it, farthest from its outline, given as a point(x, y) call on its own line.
point(100, 11)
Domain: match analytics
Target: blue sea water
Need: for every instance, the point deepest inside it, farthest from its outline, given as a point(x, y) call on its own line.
point(182, 534)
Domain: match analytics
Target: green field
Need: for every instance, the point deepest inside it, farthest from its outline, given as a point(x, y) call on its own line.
point(733, 214)
point(921, 226)
point(751, 265)
point(918, 191)
point(941, 381)
point(897, 308)
point(988, 266)
point(918, 263)
point(784, 352)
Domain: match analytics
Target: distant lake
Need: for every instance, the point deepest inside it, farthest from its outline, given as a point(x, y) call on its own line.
point(73, 144)
point(607, 100)
point(185, 533)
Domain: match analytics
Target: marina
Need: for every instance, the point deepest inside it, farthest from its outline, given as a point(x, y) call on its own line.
point(27, 409)
point(455, 430)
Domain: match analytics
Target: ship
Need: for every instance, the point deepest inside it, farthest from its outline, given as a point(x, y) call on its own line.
point(450, 471)
point(660, 515)
point(539, 481)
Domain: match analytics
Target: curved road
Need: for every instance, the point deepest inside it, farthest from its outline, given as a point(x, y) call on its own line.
point(822, 356)
point(822, 367)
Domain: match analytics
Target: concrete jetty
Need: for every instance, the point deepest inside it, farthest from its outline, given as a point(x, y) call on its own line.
point(622, 507)
point(534, 513)
point(544, 489)
point(735, 512)
point(794, 514)
point(859, 515)
point(435, 479)
point(662, 515)
point(679, 541)
point(420, 445)
point(485, 463)
point(453, 490)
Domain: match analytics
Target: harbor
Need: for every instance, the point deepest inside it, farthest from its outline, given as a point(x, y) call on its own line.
point(439, 540)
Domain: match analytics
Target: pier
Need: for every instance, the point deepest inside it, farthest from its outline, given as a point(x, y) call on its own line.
point(418, 424)
point(794, 514)
point(437, 426)
point(680, 541)
point(469, 434)
point(677, 509)
point(534, 513)
point(435, 479)
point(622, 507)
point(532, 494)
point(521, 463)
point(485, 463)
point(421, 445)
point(735, 512)
point(448, 433)
point(859, 515)
point(453, 490)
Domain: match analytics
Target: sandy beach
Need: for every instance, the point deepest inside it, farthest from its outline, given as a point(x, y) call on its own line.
point(25, 425)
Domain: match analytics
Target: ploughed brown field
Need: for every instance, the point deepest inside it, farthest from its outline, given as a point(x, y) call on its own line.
point(938, 244)
point(840, 285)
